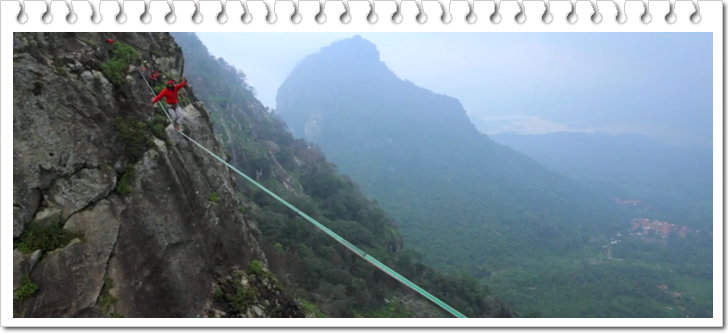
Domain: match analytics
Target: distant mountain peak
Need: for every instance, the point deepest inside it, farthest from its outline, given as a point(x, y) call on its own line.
point(351, 50)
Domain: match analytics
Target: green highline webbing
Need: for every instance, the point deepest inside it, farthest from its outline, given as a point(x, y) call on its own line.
point(338, 238)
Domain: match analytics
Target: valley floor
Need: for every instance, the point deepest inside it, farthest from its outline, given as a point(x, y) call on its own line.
point(589, 285)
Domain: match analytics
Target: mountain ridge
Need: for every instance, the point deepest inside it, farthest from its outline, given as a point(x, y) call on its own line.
point(444, 125)
point(474, 206)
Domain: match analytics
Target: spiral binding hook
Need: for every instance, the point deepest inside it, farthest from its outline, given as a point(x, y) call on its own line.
point(146, 17)
point(296, 16)
point(445, 17)
point(621, 15)
point(171, 16)
point(496, 16)
point(271, 12)
point(95, 10)
point(671, 17)
point(372, 16)
point(596, 17)
point(197, 15)
point(547, 17)
point(397, 16)
point(695, 17)
point(47, 17)
point(571, 17)
point(471, 17)
point(521, 16)
point(22, 17)
point(421, 16)
point(646, 17)
point(345, 17)
point(321, 16)
point(246, 17)
point(222, 15)
point(71, 18)
point(120, 17)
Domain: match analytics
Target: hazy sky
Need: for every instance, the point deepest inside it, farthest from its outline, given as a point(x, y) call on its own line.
point(658, 84)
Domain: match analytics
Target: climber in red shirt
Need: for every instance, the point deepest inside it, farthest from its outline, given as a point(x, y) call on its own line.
point(153, 78)
point(170, 93)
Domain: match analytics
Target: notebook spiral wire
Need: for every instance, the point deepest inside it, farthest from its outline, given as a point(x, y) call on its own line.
point(372, 17)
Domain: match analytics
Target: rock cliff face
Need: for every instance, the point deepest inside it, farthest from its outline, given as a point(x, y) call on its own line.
point(115, 213)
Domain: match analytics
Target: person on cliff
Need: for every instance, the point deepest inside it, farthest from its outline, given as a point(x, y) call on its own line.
point(153, 78)
point(173, 108)
point(153, 73)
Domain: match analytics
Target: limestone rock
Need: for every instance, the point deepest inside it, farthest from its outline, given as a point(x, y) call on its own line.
point(244, 295)
point(82, 188)
point(18, 225)
point(49, 215)
point(257, 311)
point(79, 267)
point(20, 267)
point(34, 259)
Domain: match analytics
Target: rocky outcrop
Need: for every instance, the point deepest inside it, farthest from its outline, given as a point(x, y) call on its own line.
point(152, 216)
point(251, 294)
point(71, 278)
point(69, 195)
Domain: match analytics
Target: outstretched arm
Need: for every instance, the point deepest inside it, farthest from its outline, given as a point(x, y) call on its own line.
point(182, 84)
point(161, 94)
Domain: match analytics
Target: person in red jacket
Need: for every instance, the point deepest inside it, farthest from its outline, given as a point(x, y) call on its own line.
point(170, 93)
point(153, 78)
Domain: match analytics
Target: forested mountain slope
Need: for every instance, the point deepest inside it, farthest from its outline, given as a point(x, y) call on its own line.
point(540, 239)
point(674, 182)
point(329, 279)
point(421, 157)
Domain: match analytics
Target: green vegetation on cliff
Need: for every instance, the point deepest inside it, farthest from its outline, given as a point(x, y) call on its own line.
point(122, 55)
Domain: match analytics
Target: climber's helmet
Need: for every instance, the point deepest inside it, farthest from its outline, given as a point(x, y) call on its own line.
point(170, 85)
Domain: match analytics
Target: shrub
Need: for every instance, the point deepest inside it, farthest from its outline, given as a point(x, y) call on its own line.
point(122, 55)
point(243, 297)
point(255, 268)
point(106, 300)
point(27, 288)
point(311, 310)
point(214, 197)
point(157, 125)
point(60, 69)
point(159, 87)
point(123, 187)
point(44, 237)
point(218, 294)
point(135, 136)
point(184, 99)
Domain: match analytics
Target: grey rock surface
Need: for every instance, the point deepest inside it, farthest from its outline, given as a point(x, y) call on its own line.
point(163, 242)
point(79, 267)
